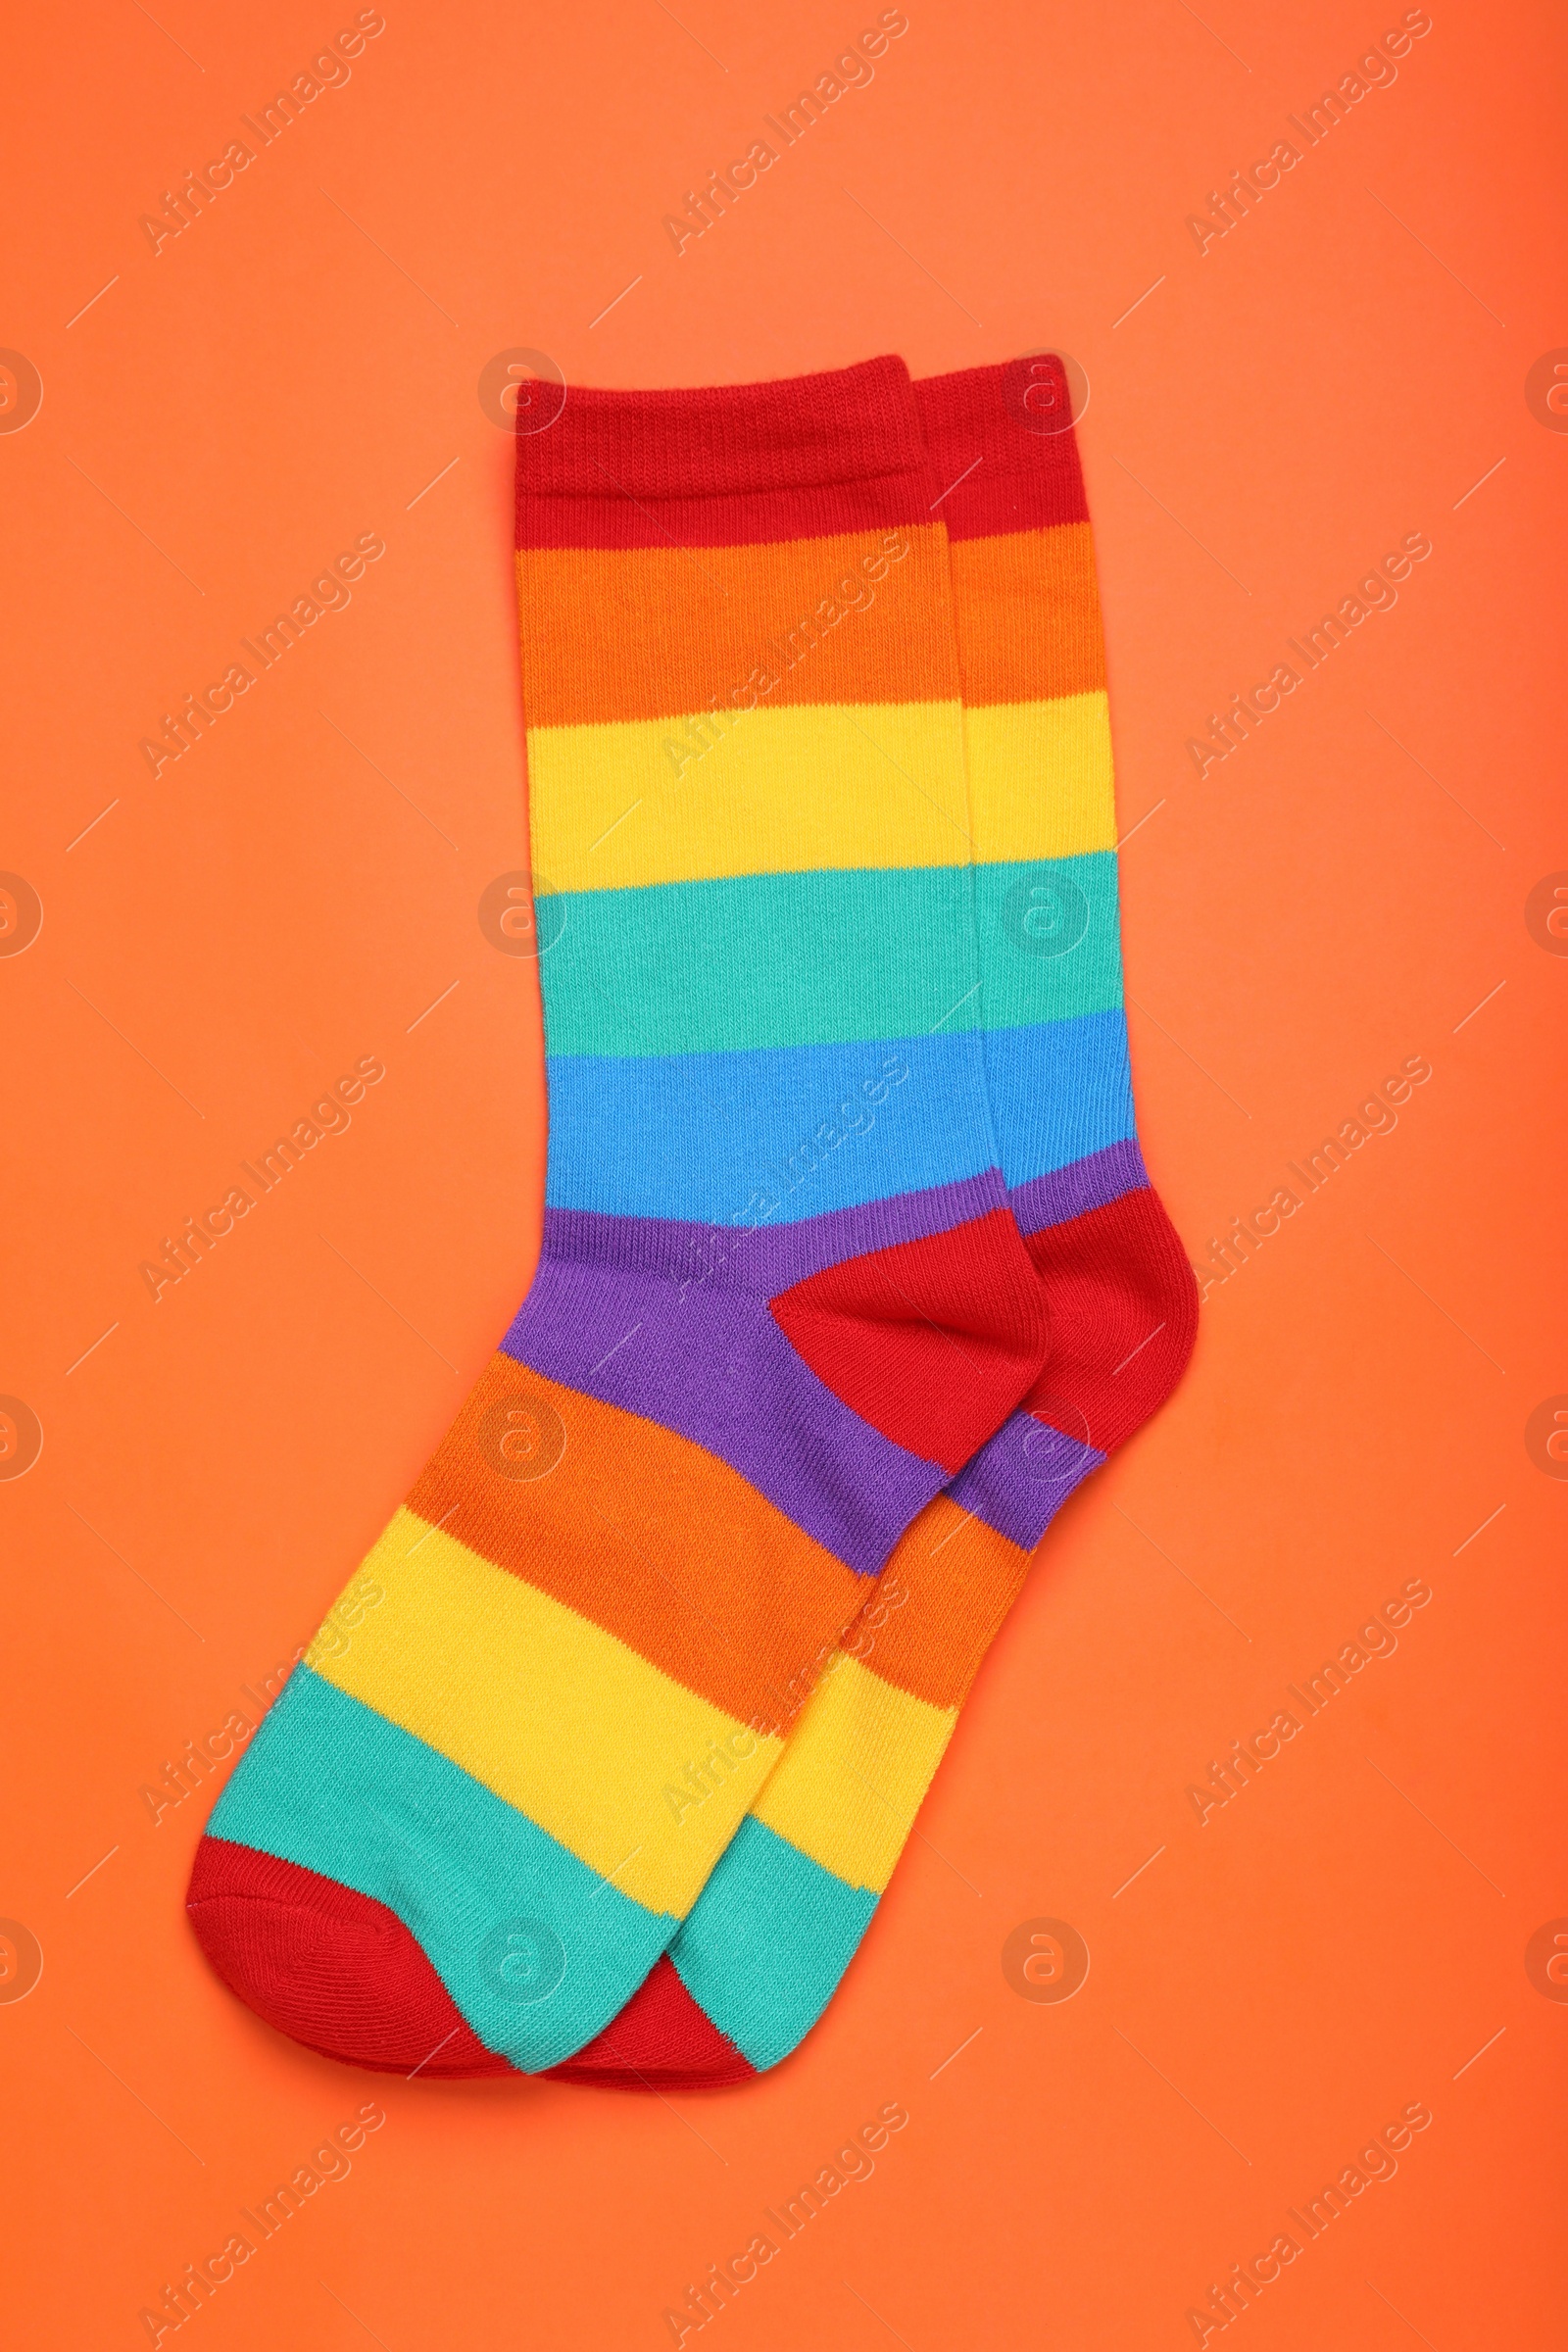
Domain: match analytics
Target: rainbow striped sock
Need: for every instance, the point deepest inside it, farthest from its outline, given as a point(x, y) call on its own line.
point(781, 1299)
point(791, 1897)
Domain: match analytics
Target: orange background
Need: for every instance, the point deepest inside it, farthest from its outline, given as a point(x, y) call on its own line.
point(1339, 894)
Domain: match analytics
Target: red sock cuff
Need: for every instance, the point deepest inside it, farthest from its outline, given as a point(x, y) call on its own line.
point(797, 458)
point(1000, 444)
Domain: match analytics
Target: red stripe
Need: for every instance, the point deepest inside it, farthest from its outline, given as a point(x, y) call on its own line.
point(737, 519)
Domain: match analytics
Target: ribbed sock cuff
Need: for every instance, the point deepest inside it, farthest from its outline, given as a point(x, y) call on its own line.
point(853, 425)
point(1002, 448)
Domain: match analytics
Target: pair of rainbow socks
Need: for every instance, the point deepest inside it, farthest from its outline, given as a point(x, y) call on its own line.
point(850, 1269)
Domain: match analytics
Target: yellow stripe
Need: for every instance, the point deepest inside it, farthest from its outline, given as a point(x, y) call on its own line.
point(820, 784)
point(850, 1780)
point(1039, 778)
point(553, 1714)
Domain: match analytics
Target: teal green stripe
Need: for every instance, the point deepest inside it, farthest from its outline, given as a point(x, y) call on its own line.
point(537, 1950)
point(1050, 940)
point(768, 960)
point(768, 1943)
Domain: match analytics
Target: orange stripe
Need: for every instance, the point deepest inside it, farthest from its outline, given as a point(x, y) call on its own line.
point(648, 1536)
point(940, 1604)
point(660, 632)
point(1027, 608)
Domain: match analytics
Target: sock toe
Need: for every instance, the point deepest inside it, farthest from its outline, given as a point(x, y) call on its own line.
point(332, 1969)
point(661, 2041)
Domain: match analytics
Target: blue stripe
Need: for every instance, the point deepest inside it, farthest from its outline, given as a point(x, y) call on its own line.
point(771, 1935)
point(769, 1135)
point(790, 1132)
point(330, 1785)
point(1059, 1091)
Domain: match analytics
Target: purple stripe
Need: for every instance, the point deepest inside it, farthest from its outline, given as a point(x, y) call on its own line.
point(1020, 1480)
point(715, 1368)
point(1084, 1183)
point(760, 1261)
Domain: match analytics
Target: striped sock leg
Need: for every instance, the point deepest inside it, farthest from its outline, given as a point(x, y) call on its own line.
point(781, 1297)
point(791, 1897)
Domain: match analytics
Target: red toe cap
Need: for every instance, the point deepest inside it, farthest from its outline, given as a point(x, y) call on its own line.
point(661, 2041)
point(334, 1969)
